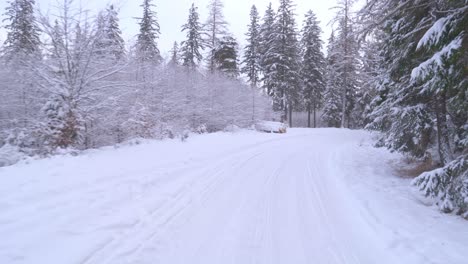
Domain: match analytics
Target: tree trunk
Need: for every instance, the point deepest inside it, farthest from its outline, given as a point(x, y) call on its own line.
point(290, 115)
point(308, 115)
point(315, 115)
point(443, 137)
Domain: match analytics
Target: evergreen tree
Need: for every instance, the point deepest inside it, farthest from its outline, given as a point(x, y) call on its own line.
point(347, 56)
point(251, 60)
point(110, 43)
point(215, 30)
point(114, 34)
point(146, 46)
point(422, 93)
point(192, 46)
point(175, 58)
point(285, 54)
point(331, 115)
point(22, 31)
point(267, 41)
point(226, 57)
point(312, 70)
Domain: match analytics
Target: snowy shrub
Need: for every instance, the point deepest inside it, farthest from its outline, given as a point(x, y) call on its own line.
point(447, 186)
point(10, 155)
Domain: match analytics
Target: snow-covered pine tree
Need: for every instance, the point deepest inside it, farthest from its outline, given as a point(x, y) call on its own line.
point(251, 60)
point(175, 56)
point(423, 105)
point(22, 31)
point(110, 44)
point(285, 54)
point(226, 57)
point(312, 69)
point(147, 50)
point(370, 75)
point(194, 44)
point(267, 40)
point(215, 30)
point(252, 57)
point(19, 53)
point(332, 108)
point(113, 34)
point(347, 64)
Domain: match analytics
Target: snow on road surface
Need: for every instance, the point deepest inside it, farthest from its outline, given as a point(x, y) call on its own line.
point(309, 196)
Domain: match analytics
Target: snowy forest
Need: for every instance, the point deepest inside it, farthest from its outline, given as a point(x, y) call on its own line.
point(68, 80)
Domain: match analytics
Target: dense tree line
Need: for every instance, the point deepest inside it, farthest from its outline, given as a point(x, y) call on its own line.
point(69, 81)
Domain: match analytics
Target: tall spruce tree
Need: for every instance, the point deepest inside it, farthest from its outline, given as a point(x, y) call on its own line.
point(312, 69)
point(193, 45)
point(22, 31)
point(331, 115)
point(146, 47)
point(215, 30)
point(110, 43)
point(285, 54)
point(175, 56)
point(251, 60)
point(267, 41)
point(348, 63)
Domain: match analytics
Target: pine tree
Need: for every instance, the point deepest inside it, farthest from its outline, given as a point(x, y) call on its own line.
point(114, 34)
point(251, 60)
point(175, 57)
point(226, 57)
point(422, 96)
point(192, 46)
point(215, 30)
point(312, 70)
point(109, 44)
point(22, 31)
point(20, 52)
point(146, 46)
point(285, 54)
point(331, 115)
point(267, 40)
point(347, 66)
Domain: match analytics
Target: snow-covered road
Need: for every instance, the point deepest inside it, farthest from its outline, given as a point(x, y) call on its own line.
point(310, 196)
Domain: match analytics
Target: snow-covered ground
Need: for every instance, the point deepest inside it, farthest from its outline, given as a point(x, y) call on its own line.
point(309, 196)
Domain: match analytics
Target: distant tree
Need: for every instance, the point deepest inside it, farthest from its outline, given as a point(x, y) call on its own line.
point(193, 45)
point(312, 69)
point(215, 30)
point(347, 58)
point(110, 43)
point(251, 60)
point(226, 57)
point(332, 108)
point(22, 31)
point(19, 53)
point(285, 61)
point(146, 46)
point(175, 57)
point(267, 41)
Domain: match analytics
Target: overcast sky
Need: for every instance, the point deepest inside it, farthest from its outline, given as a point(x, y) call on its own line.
point(172, 14)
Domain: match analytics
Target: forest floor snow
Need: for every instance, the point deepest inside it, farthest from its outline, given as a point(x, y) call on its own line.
point(308, 196)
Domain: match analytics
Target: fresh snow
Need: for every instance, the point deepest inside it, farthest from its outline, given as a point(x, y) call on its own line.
point(308, 196)
point(436, 60)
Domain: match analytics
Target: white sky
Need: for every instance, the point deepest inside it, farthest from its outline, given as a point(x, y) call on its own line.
point(172, 14)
